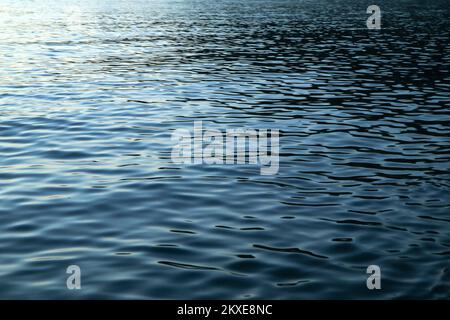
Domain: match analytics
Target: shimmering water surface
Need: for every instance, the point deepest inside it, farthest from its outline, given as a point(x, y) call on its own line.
point(90, 92)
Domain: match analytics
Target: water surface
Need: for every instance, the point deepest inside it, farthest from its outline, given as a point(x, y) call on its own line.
point(90, 92)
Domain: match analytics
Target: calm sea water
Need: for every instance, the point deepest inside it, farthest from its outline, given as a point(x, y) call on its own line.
point(90, 92)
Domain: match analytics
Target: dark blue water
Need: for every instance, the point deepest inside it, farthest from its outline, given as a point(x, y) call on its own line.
point(90, 92)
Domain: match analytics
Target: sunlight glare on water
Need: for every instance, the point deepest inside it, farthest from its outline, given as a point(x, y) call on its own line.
point(90, 92)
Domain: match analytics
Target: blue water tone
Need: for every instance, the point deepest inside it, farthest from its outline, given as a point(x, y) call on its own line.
point(90, 92)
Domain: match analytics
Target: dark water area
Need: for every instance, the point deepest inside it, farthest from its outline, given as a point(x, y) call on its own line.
point(90, 92)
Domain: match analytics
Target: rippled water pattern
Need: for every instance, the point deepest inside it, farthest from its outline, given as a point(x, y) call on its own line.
point(90, 92)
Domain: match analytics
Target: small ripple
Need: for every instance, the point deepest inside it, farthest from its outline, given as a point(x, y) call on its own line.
point(290, 250)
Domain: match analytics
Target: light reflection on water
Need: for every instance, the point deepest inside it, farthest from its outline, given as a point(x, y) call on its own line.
point(90, 93)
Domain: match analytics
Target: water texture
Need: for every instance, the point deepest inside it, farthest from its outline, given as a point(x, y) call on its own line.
point(90, 92)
